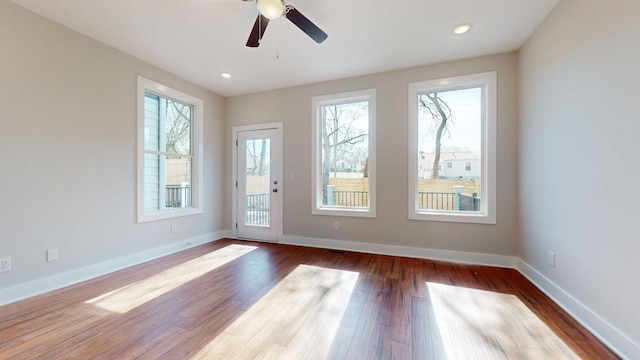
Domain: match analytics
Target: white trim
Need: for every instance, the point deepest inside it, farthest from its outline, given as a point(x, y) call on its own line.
point(58, 281)
point(197, 146)
point(316, 152)
point(234, 173)
point(615, 339)
point(488, 82)
point(459, 257)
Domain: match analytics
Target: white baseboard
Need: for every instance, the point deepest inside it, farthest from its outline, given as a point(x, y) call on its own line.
point(405, 251)
point(231, 234)
point(58, 281)
point(607, 333)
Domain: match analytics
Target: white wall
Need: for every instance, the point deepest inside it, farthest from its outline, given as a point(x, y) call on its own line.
point(292, 106)
point(68, 152)
point(580, 150)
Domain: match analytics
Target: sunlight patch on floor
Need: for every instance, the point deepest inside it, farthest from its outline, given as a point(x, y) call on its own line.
point(131, 296)
point(478, 324)
point(301, 313)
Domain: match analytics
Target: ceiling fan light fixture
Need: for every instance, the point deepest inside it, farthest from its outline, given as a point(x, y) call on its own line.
point(271, 9)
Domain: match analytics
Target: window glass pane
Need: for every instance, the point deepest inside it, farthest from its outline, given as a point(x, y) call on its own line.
point(178, 182)
point(258, 182)
point(345, 154)
point(449, 130)
point(177, 126)
point(167, 127)
point(151, 122)
point(151, 182)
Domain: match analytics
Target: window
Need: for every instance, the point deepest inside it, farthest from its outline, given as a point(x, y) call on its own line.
point(453, 120)
point(344, 161)
point(169, 152)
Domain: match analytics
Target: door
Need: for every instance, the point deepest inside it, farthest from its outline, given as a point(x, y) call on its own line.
point(259, 188)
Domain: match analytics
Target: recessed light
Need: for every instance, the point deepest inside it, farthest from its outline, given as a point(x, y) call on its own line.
point(225, 75)
point(461, 29)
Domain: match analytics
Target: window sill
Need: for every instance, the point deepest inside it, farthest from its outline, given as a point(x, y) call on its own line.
point(459, 217)
point(168, 214)
point(337, 211)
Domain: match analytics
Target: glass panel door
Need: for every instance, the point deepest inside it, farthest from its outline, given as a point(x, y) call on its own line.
point(257, 182)
point(258, 188)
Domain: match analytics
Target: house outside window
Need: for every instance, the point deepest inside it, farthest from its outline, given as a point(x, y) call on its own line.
point(169, 152)
point(453, 120)
point(343, 155)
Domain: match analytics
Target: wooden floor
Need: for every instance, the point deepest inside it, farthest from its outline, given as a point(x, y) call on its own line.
point(245, 300)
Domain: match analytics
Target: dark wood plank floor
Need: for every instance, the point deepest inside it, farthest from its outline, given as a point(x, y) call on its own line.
point(244, 300)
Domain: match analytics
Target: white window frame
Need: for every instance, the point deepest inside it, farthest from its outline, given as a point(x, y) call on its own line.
point(488, 83)
point(316, 177)
point(144, 86)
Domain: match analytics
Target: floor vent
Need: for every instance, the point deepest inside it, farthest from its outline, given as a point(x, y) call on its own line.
point(339, 252)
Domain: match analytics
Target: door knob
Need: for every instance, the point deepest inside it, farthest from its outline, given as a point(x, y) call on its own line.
point(275, 190)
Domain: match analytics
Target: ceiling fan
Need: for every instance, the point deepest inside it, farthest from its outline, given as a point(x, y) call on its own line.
point(273, 9)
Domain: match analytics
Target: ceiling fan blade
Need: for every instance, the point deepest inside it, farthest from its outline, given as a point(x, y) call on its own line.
point(258, 31)
point(305, 24)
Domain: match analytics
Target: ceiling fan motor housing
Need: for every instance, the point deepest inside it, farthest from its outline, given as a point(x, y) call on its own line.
point(273, 9)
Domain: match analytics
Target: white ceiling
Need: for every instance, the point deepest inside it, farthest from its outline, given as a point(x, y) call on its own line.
point(198, 39)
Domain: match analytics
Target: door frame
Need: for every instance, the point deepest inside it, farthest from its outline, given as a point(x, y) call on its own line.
point(280, 175)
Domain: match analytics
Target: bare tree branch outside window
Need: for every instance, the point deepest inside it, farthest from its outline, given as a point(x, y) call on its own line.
point(441, 116)
point(344, 136)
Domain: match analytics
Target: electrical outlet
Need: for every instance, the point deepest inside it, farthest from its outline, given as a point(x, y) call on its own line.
point(5, 264)
point(174, 228)
point(336, 226)
point(551, 259)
